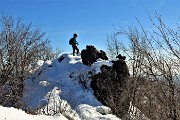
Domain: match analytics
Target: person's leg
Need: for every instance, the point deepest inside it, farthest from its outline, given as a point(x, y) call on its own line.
point(73, 50)
point(77, 50)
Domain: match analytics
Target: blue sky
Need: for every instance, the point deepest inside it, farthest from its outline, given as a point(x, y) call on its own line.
point(92, 20)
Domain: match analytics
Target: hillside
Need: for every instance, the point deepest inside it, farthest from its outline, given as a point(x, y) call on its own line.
point(62, 87)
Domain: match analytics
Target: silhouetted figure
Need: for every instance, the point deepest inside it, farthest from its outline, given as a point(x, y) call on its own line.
point(74, 44)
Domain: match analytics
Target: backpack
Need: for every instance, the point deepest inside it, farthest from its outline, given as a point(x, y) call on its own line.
point(71, 41)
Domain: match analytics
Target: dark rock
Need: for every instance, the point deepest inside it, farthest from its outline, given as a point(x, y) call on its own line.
point(109, 85)
point(91, 54)
point(121, 70)
point(60, 59)
point(120, 57)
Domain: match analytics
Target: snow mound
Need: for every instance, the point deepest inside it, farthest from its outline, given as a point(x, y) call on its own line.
point(87, 112)
point(103, 110)
point(63, 86)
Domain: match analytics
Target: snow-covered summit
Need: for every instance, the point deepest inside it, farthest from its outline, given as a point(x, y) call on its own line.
point(62, 86)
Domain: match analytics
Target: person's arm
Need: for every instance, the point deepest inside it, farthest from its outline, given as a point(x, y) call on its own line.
point(75, 41)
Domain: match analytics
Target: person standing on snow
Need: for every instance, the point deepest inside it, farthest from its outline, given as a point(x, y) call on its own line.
point(74, 44)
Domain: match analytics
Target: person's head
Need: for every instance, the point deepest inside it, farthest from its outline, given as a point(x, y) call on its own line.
point(75, 35)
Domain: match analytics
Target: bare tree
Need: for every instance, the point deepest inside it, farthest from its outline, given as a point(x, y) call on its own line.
point(155, 68)
point(113, 45)
point(20, 45)
point(57, 53)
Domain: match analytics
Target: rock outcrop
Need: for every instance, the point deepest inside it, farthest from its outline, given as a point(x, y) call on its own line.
point(91, 54)
point(110, 84)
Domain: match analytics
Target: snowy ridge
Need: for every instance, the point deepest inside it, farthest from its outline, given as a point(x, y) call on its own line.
point(62, 88)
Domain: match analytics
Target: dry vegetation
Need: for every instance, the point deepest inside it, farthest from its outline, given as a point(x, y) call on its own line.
point(21, 44)
point(155, 67)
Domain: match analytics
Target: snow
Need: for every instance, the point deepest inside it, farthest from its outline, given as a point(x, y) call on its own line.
point(58, 89)
point(88, 112)
point(15, 114)
point(96, 66)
